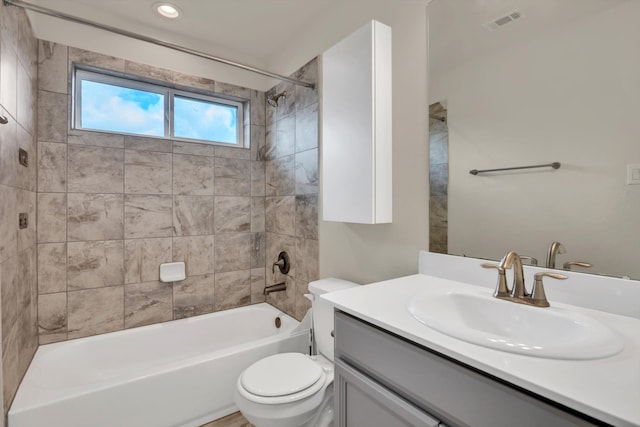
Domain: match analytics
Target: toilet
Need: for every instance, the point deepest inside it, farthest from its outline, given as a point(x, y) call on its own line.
point(295, 389)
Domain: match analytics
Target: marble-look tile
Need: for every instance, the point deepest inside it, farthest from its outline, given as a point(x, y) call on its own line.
point(257, 249)
point(232, 252)
point(270, 146)
point(95, 264)
point(257, 214)
point(192, 215)
point(438, 239)
point(233, 289)
point(147, 172)
point(232, 177)
point(97, 139)
point(52, 66)
point(285, 137)
point(280, 215)
point(232, 90)
point(286, 105)
point(11, 374)
point(26, 102)
point(147, 71)
point(307, 216)
point(258, 143)
point(438, 211)
point(194, 296)
point(280, 176)
point(8, 222)
point(52, 268)
point(307, 259)
point(191, 81)
point(277, 243)
point(257, 106)
point(52, 167)
point(146, 143)
point(232, 152)
point(308, 73)
point(52, 338)
point(307, 128)
point(85, 57)
point(26, 203)
point(52, 313)
point(9, 151)
point(192, 175)
point(147, 303)
point(258, 282)
point(142, 259)
point(196, 252)
point(10, 279)
point(95, 311)
point(231, 214)
point(27, 176)
point(95, 216)
point(147, 216)
point(95, 169)
point(258, 178)
point(53, 118)
point(52, 217)
point(302, 304)
point(438, 148)
point(307, 172)
point(284, 300)
point(180, 147)
point(9, 72)
point(439, 179)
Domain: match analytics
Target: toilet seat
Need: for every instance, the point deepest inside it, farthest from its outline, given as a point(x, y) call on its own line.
point(282, 378)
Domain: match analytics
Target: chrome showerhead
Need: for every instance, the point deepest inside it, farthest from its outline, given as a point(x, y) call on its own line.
point(274, 99)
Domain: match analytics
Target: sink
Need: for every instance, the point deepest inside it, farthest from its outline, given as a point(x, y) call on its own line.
point(481, 319)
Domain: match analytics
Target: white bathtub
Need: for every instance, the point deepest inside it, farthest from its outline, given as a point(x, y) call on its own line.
point(179, 373)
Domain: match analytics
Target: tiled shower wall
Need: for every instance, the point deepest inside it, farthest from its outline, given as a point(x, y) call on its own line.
point(111, 208)
point(18, 73)
point(291, 155)
point(438, 178)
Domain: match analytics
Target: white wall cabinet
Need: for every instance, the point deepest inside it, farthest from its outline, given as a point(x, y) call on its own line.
point(356, 127)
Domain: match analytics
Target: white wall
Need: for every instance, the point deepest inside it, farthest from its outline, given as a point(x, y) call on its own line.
point(572, 96)
point(368, 253)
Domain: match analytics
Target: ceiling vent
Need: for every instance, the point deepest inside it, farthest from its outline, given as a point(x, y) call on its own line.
point(502, 21)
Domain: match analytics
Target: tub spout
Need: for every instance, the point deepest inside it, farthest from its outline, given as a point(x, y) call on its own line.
point(279, 287)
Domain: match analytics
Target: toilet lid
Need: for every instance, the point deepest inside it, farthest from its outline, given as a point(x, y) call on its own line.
point(280, 375)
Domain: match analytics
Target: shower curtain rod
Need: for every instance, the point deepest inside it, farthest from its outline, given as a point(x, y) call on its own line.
point(71, 18)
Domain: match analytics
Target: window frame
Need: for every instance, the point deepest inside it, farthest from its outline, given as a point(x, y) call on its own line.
point(169, 93)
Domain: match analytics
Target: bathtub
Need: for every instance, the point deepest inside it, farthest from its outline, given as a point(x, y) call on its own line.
point(179, 373)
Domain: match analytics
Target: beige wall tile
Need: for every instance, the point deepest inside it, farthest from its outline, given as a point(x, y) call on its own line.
point(233, 289)
point(258, 248)
point(147, 144)
point(52, 313)
point(283, 300)
point(52, 338)
point(197, 252)
point(257, 106)
point(8, 222)
point(285, 137)
point(52, 66)
point(307, 216)
point(9, 174)
point(95, 216)
point(232, 252)
point(95, 311)
point(192, 81)
point(232, 90)
point(148, 71)
point(232, 177)
point(180, 147)
point(192, 175)
point(147, 172)
point(258, 178)
point(85, 57)
point(52, 268)
point(302, 304)
point(52, 217)
point(52, 167)
point(147, 216)
point(306, 259)
point(26, 203)
point(193, 296)
point(95, 264)
point(280, 176)
point(98, 139)
point(192, 215)
point(280, 215)
point(258, 282)
point(26, 100)
point(232, 214)
point(307, 128)
point(258, 143)
point(307, 172)
point(53, 117)
point(232, 152)
point(8, 80)
point(95, 169)
point(147, 303)
point(142, 258)
point(257, 214)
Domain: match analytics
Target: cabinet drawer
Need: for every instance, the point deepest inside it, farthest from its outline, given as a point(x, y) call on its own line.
point(456, 394)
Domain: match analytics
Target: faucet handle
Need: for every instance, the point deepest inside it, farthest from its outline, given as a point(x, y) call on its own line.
point(569, 264)
point(501, 287)
point(532, 261)
point(538, 297)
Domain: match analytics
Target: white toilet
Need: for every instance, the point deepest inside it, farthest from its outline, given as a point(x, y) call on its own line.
point(295, 389)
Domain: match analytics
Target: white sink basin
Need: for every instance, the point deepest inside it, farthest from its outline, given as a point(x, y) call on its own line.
point(481, 319)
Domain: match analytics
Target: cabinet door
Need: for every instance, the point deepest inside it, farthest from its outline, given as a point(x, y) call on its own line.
point(361, 402)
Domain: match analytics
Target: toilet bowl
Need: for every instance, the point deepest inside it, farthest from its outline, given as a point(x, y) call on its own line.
point(294, 389)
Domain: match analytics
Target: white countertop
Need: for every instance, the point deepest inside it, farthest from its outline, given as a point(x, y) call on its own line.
point(606, 389)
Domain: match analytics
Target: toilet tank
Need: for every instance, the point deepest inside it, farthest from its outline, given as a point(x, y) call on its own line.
point(322, 313)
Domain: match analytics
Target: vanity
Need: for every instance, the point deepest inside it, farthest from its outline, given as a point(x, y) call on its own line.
point(566, 365)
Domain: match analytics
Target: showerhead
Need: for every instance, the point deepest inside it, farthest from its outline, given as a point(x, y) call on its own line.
point(274, 99)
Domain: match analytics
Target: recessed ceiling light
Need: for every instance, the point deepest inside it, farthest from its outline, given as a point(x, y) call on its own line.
point(167, 10)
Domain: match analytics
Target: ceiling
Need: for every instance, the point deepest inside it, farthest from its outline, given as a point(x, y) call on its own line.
point(457, 34)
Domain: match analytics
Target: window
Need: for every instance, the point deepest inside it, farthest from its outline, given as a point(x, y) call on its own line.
point(113, 104)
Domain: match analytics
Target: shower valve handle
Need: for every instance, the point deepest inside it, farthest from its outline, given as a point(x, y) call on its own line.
point(283, 263)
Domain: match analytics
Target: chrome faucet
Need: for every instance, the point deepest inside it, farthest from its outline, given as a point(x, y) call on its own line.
point(555, 249)
point(518, 292)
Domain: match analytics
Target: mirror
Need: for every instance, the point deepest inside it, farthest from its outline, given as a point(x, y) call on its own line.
point(529, 82)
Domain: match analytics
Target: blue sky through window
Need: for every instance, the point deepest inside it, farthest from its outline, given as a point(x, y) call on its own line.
point(119, 109)
point(198, 119)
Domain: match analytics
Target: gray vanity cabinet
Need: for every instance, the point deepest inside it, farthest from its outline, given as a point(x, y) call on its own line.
point(382, 380)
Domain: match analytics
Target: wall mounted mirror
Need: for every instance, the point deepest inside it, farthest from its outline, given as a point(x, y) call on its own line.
point(526, 82)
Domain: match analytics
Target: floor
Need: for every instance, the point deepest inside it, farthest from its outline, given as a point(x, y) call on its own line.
point(233, 420)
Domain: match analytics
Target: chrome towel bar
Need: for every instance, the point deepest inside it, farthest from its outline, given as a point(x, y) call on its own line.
point(555, 165)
